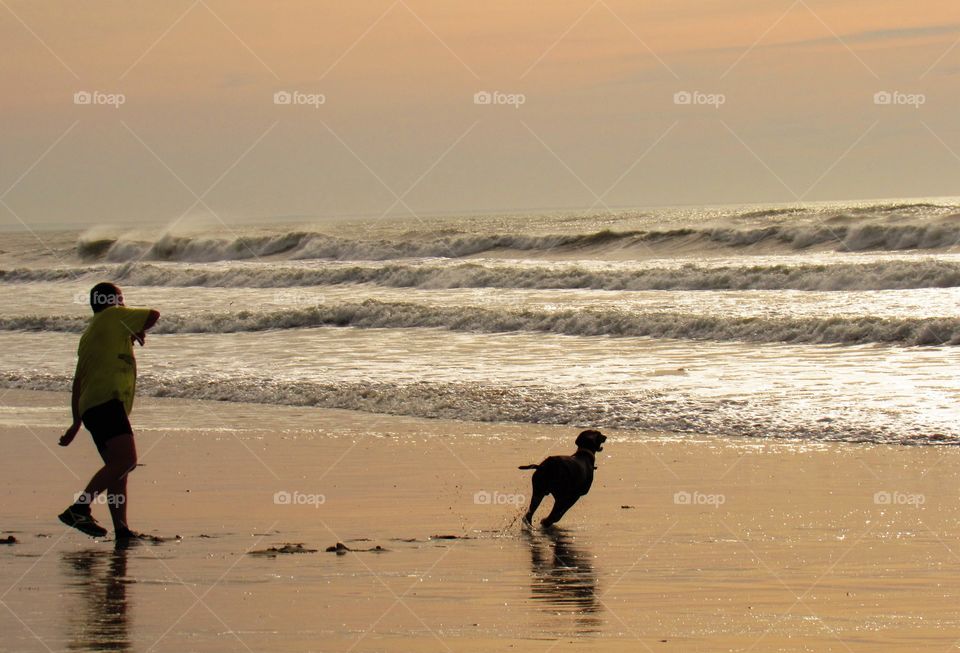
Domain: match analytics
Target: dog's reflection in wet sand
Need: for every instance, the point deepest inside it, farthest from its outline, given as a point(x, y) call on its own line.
point(563, 579)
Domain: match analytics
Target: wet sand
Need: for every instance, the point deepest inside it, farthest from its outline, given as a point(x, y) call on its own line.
point(684, 544)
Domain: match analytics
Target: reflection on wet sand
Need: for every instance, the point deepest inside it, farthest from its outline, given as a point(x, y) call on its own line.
point(98, 619)
point(563, 579)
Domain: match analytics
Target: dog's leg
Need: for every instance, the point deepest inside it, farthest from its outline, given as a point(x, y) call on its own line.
point(534, 504)
point(560, 506)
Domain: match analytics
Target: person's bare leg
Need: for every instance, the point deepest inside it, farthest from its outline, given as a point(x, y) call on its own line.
point(119, 459)
point(117, 500)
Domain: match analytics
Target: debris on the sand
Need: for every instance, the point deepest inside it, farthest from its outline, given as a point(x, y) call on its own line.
point(274, 551)
point(10, 539)
point(342, 549)
point(156, 539)
point(449, 537)
point(626, 507)
point(152, 539)
point(292, 548)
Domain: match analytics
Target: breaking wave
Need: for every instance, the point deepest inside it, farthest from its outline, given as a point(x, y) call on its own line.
point(308, 245)
point(827, 234)
point(884, 275)
point(573, 322)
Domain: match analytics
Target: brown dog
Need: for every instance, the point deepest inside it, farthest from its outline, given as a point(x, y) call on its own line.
point(567, 478)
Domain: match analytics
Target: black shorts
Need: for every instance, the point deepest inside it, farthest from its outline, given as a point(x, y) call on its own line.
point(105, 421)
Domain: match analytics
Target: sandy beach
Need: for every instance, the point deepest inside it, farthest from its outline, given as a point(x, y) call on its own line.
point(359, 262)
point(684, 544)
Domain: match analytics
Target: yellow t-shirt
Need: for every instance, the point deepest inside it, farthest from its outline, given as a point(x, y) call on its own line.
point(106, 368)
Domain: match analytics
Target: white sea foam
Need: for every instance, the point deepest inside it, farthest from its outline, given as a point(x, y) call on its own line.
point(664, 266)
point(840, 232)
point(608, 321)
point(653, 411)
point(881, 275)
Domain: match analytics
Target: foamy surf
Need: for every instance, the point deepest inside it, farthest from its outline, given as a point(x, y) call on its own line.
point(891, 226)
point(785, 275)
point(657, 411)
point(614, 322)
point(836, 237)
point(817, 322)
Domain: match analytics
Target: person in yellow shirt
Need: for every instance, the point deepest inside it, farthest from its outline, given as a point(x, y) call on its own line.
point(101, 399)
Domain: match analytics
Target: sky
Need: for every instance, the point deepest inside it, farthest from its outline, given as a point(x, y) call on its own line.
point(152, 112)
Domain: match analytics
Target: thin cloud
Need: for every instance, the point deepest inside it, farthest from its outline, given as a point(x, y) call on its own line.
point(877, 36)
point(881, 35)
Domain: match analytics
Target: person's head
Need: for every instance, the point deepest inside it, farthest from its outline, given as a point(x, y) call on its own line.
point(104, 295)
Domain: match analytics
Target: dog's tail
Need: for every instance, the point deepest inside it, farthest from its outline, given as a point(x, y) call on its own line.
point(529, 467)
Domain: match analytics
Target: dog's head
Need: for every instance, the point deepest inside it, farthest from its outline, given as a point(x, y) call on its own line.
point(591, 440)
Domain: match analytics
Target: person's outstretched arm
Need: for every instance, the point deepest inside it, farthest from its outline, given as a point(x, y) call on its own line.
point(71, 432)
point(151, 320)
point(141, 335)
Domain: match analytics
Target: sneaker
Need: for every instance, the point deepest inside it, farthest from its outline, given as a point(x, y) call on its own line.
point(84, 523)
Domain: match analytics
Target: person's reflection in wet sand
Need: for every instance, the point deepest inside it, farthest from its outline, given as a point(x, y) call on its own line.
point(97, 578)
point(562, 577)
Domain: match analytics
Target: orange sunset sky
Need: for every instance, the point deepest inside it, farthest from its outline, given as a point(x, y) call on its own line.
point(598, 104)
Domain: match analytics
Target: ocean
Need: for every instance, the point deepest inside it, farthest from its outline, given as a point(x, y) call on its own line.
point(832, 321)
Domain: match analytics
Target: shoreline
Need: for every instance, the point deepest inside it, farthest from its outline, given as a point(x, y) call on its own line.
point(711, 544)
